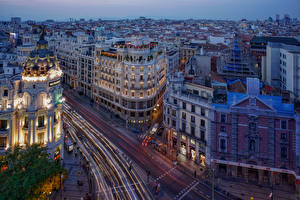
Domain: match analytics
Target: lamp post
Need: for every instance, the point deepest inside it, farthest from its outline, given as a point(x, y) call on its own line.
point(61, 186)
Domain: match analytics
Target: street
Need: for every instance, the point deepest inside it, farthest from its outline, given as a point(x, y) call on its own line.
point(172, 182)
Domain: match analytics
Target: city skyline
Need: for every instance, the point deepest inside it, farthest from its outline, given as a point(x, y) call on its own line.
point(175, 9)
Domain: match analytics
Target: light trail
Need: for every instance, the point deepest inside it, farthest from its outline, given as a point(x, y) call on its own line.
point(120, 182)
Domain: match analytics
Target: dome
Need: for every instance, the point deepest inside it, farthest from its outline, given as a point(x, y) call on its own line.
point(40, 60)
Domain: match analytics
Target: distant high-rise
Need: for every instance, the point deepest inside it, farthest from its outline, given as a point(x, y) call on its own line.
point(277, 17)
point(15, 20)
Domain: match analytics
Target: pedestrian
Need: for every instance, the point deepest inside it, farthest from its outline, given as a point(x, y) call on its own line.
point(195, 174)
point(154, 184)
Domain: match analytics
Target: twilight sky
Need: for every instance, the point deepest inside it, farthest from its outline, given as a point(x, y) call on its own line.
point(174, 9)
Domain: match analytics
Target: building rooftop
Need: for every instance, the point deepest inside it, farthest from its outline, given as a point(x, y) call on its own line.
point(285, 40)
point(273, 101)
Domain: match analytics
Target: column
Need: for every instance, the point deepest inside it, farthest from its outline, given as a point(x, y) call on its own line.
point(33, 129)
point(10, 133)
point(245, 173)
point(197, 151)
point(48, 129)
point(29, 130)
point(52, 127)
point(228, 170)
point(260, 176)
point(19, 126)
point(234, 171)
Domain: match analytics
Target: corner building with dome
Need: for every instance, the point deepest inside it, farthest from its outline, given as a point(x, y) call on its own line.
point(31, 103)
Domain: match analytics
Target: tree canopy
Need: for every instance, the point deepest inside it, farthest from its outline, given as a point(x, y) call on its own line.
point(28, 173)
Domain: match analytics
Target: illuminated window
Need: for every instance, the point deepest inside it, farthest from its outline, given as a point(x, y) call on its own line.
point(132, 94)
point(149, 68)
point(141, 69)
point(132, 68)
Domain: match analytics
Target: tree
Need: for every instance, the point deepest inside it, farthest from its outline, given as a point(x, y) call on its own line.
point(28, 173)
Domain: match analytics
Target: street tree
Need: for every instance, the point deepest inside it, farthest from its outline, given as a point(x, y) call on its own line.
point(28, 173)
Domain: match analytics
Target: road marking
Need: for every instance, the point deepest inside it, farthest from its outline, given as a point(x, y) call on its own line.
point(165, 174)
point(186, 190)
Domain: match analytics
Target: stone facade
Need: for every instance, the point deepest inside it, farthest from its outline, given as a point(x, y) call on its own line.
point(255, 137)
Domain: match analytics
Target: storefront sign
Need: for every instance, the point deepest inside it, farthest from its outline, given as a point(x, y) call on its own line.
point(54, 83)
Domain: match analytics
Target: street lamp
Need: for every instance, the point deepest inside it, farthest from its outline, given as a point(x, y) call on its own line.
point(61, 185)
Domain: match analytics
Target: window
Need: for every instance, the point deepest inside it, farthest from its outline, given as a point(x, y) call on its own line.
point(168, 110)
point(223, 145)
point(174, 113)
point(183, 105)
point(132, 114)
point(41, 138)
point(41, 121)
point(193, 108)
point(168, 120)
point(283, 124)
point(5, 93)
point(175, 101)
point(283, 136)
point(202, 112)
point(252, 145)
point(3, 141)
point(55, 117)
point(183, 127)
point(202, 135)
point(26, 122)
point(193, 131)
point(202, 123)
point(223, 118)
point(223, 129)
point(192, 119)
point(183, 115)
point(3, 124)
point(283, 153)
point(173, 123)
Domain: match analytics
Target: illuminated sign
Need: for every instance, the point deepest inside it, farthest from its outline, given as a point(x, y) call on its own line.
point(54, 83)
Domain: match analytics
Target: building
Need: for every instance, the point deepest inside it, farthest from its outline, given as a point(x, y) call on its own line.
point(256, 137)
point(30, 103)
point(187, 116)
point(67, 49)
point(259, 46)
point(281, 67)
point(129, 79)
point(15, 20)
point(187, 50)
point(236, 64)
point(172, 55)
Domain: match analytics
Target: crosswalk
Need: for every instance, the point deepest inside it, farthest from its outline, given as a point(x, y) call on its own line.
point(186, 190)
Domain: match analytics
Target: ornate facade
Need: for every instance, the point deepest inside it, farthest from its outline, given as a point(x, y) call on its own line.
point(30, 110)
point(129, 80)
point(256, 137)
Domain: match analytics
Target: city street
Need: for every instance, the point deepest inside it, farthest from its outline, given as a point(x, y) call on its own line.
point(117, 180)
point(174, 182)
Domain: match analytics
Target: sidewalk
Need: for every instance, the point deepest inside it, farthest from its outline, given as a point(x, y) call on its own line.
point(71, 189)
